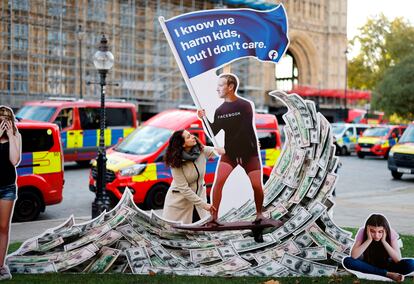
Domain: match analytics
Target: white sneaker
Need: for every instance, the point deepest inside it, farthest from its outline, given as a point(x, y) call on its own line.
point(5, 273)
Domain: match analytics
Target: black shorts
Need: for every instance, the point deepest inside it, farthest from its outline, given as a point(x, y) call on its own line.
point(249, 164)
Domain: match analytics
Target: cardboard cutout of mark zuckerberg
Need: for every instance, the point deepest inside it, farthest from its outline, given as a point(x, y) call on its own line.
point(235, 117)
point(204, 41)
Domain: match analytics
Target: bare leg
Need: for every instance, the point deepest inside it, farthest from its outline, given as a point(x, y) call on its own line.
point(256, 180)
point(223, 172)
point(6, 209)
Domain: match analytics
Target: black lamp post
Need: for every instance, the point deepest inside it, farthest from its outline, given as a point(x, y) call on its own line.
point(346, 85)
point(81, 35)
point(103, 61)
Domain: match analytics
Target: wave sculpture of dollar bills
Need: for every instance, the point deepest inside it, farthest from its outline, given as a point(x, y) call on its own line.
point(298, 192)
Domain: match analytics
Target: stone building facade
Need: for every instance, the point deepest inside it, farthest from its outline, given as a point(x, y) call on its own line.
point(46, 47)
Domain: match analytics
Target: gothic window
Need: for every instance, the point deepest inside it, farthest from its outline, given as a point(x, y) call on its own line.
point(286, 73)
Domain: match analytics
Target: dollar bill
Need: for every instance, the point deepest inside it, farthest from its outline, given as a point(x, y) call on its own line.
point(109, 238)
point(277, 252)
point(106, 257)
point(131, 235)
point(226, 267)
point(138, 258)
point(316, 209)
point(249, 244)
point(316, 183)
point(314, 253)
point(74, 259)
point(226, 252)
point(273, 192)
point(284, 160)
point(31, 258)
point(327, 187)
point(83, 228)
point(296, 124)
point(205, 255)
point(277, 211)
point(120, 264)
point(307, 267)
point(52, 244)
point(322, 239)
point(32, 268)
point(300, 105)
point(324, 132)
point(270, 268)
point(303, 240)
point(302, 189)
point(329, 224)
point(293, 175)
point(338, 256)
point(168, 259)
point(92, 235)
point(294, 223)
point(327, 153)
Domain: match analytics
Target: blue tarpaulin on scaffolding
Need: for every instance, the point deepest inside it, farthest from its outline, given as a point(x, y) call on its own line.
point(255, 4)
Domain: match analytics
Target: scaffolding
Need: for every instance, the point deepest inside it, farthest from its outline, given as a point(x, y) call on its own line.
point(47, 46)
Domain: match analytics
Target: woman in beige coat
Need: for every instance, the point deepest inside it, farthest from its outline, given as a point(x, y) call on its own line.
point(186, 197)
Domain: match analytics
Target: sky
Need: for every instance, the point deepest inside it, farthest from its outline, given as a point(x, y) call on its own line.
point(360, 10)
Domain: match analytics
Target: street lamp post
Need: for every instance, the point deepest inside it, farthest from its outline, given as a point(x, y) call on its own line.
point(103, 61)
point(346, 85)
point(81, 35)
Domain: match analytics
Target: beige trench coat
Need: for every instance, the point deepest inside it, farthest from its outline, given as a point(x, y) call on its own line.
point(187, 189)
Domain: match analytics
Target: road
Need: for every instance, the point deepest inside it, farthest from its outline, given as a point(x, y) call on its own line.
point(364, 186)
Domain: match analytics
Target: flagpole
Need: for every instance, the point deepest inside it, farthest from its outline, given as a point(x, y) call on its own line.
point(185, 76)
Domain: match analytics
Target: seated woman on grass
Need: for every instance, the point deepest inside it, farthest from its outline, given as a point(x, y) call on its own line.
point(376, 251)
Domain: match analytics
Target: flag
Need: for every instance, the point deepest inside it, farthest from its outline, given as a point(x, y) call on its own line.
point(212, 38)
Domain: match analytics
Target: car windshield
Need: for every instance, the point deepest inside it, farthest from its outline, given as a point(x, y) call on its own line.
point(338, 129)
point(376, 131)
point(408, 135)
point(41, 113)
point(144, 140)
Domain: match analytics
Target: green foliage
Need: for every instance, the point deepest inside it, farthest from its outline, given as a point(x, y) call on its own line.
point(395, 92)
point(382, 43)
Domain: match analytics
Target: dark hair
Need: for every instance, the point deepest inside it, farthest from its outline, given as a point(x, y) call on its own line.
point(231, 80)
point(376, 254)
point(8, 114)
point(174, 153)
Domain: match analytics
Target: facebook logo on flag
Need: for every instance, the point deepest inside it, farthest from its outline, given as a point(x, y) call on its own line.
point(209, 39)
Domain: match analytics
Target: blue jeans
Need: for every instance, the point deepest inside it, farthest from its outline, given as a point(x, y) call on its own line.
point(404, 266)
point(8, 192)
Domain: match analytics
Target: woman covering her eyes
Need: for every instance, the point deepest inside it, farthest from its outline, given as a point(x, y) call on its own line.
point(376, 251)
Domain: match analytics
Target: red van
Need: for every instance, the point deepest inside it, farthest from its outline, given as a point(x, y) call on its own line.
point(137, 162)
point(40, 172)
point(80, 124)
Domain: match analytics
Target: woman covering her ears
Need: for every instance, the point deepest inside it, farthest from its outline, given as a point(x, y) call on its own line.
point(376, 251)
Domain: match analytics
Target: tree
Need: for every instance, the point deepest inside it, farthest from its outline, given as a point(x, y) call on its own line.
point(395, 92)
point(382, 43)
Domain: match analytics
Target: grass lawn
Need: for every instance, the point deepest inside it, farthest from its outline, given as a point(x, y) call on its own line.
point(61, 278)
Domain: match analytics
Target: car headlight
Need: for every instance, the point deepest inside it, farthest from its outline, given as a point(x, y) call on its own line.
point(380, 142)
point(391, 154)
point(133, 171)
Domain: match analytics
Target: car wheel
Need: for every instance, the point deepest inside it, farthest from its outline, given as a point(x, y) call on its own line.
point(361, 155)
point(156, 196)
point(344, 151)
point(396, 175)
point(28, 206)
point(84, 163)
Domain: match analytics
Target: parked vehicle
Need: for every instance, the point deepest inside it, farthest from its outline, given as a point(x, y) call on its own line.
point(79, 123)
point(137, 162)
point(346, 136)
point(377, 141)
point(40, 172)
point(401, 156)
